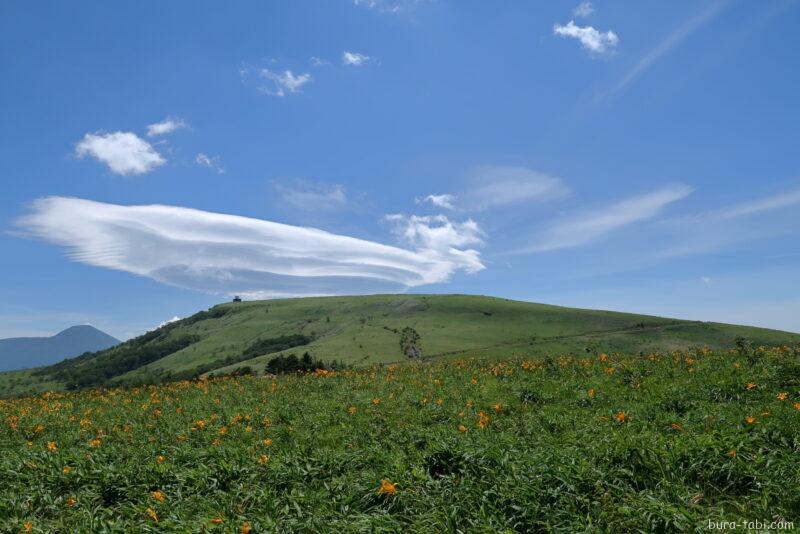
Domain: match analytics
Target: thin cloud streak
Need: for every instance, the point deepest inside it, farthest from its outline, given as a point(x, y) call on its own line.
point(784, 200)
point(672, 40)
point(585, 228)
point(312, 196)
point(494, 186)
point(725, 227)
point(166, 126)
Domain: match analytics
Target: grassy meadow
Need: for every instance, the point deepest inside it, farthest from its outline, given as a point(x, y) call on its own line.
point(606, 442)
point(365, 330)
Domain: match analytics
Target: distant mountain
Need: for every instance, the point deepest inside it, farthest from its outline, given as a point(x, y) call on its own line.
point(24, 352)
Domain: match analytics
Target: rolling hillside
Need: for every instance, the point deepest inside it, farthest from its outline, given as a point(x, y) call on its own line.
point(24, 352)
point(367, 329)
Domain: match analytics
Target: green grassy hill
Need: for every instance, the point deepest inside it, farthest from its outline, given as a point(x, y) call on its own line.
point(366, 329)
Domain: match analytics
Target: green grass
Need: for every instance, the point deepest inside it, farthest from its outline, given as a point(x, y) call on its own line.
point(364, 330)
point(554, 452)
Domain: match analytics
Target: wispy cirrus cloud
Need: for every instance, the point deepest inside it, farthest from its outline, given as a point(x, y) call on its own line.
point(125, 153)
point(671, 41)
point(495, 186)
point(596, 42)
point(750, 225)
point(723, 228)
point(390, 6)
point(168, 125)
point(759, 205)
point(583, 228)
point(229, 254)
point(212, 162)
point(312, 196)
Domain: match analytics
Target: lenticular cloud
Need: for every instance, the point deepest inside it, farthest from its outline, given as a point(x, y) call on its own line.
point(231, 254)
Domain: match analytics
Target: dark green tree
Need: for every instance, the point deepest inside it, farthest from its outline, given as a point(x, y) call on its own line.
point(410, 343)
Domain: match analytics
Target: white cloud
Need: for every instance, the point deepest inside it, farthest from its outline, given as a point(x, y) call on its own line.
point(672, 40)
point(442, 238)
point(284, 83)
point(596, 42)
point(311, 196)
point(354, 59)
point(584, 9)
point(318, 61)
point(174, 319)
point(705, 279)
point(584, 228)
point(229, 254)
point(493, 186)
point(442, 201)
point(166, 126)
point(212, 162)
point(125, 153)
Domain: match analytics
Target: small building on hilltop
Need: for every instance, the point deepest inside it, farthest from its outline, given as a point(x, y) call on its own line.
point(237, 298)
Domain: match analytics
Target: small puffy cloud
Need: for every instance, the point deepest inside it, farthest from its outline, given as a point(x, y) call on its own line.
point(584, 9)
point(441, 201)
point(283, 83)
point(705, 279)
point(442, 238)
point(318, 61)
point(596, 42)
point(354, 59)
point(255, 258)
point(580, 229)
point(124, 153)
point(212, 162)
point(311, 196)
point(166, 126)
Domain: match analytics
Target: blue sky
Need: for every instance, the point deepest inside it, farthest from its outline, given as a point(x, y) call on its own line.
point(157, 158)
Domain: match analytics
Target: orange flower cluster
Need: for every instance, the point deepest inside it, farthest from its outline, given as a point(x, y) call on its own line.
point(483, 419)
point(387, 488)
